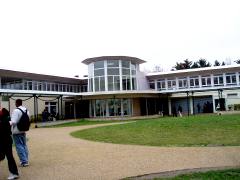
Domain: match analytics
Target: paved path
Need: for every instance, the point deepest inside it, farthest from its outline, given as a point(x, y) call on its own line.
point(57, 155)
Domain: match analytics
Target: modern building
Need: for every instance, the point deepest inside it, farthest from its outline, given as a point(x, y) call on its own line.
point(115, 87)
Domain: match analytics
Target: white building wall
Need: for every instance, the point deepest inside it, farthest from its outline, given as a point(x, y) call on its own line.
point(142, 81)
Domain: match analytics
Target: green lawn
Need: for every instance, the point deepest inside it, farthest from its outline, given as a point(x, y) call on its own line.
point(230, 174)
point(82, 122)
point(203, 130)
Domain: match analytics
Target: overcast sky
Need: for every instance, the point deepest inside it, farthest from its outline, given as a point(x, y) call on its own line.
point(53, 37)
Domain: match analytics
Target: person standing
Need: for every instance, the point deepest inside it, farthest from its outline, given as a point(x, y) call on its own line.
point(19, 137)
point(6, 143)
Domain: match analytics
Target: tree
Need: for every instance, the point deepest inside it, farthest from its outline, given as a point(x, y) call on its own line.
point(186, 64)
point(195, 65)
point(203, 63)
point(237, 61)
point(217, 63)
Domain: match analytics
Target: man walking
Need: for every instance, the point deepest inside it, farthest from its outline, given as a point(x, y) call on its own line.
point(19, 137)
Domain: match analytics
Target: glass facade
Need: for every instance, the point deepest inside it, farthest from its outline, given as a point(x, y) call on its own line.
point(112, 75)
point(110, 107)
point(23, 84)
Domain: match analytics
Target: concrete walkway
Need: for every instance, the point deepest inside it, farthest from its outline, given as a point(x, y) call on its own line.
point(57, 155)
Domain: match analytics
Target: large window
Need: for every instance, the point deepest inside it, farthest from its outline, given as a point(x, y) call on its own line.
point(114, 107)
point(194, 82)
point(151, 84)
point(161, 85)
point(231, 79)
point(119, 74)
point(113, 83)
point(126, 84)
point(51, 107)
point(171, 84)
point(110, 107)
point(206, 81)
point(182, 83)
point(99, 83)
point(100, 108)
point(218, 80)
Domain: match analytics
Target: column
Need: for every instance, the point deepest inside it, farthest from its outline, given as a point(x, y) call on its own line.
point(212, 82)
point(224, 79)
point(105, 76)
point(191, 104)
point(200, 80)
point(237, 78)
point(120, 74)
point(169, 106)
point(74, 109)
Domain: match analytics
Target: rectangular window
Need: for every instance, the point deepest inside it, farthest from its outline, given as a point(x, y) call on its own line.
point(171, 84)
point(113, 71)
point(111, 63)
point(126, 64)
point(96, 83)
point(126, 71)
point(231, 79)
point(126, 83)
point(110, 83)
point(152, 85)
point(29, 85)
point(116, 83)
point(161, 85)
point(102, 84)
point(99, 72)
point(134, 84)
point(206, 81)
point(218, 80)
point(182, 83)
point(99, 64)
point(194, 82)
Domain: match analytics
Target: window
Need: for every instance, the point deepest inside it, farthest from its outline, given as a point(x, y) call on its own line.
point(51, 107)
point(206, 81)
point(99, 65)
point(231, 79)
point(161, 85)
point(126, 64)
point(134, 83)
point(194, 82)
point(99, 72)
point(99, 83)
point(218, 80)
point(233, 95)
point(126, 83)
point(171, 84)
point(112, 63)
point(152, 85)
point(182, 83)
point(133, 68)
point(113, 71)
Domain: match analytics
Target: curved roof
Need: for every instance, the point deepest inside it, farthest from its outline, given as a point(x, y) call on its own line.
point(125, 58)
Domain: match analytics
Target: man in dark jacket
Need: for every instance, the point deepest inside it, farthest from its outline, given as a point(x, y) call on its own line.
point(6, 143)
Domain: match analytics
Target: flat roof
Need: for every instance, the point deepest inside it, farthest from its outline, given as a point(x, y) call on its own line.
point(184, 71)
point(38, 77)
point(125, 58)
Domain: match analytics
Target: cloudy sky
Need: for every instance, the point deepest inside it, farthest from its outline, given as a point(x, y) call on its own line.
point(53, 37)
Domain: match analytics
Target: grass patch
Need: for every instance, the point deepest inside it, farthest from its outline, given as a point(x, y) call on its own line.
point(203, 130)
point(82, 122)
point(233, 174)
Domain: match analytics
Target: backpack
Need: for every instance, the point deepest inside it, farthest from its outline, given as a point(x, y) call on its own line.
point(24, 122)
